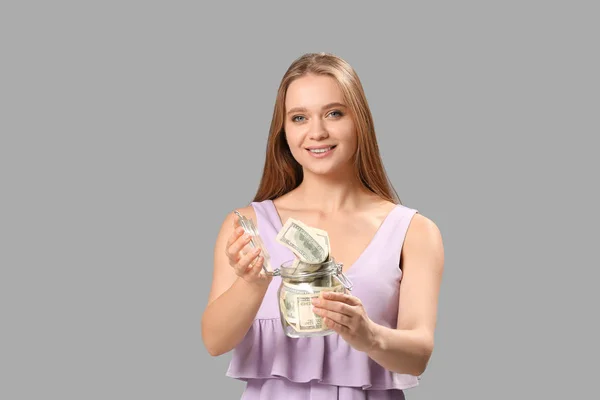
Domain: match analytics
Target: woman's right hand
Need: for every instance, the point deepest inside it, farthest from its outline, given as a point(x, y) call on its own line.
point(247, 262)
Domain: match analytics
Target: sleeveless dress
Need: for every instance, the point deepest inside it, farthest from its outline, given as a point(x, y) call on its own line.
point(275, 366)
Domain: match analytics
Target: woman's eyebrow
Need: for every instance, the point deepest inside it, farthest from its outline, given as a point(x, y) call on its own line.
point(302, 109)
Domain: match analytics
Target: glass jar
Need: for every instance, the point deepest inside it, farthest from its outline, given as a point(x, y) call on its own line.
point(300, 283)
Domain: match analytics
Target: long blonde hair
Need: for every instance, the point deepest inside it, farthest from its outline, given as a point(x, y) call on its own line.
point(282, 173)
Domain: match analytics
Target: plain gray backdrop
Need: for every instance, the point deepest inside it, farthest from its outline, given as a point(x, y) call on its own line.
point(130, 129)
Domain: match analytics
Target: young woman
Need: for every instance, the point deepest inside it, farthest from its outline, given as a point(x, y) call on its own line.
point(323, 168)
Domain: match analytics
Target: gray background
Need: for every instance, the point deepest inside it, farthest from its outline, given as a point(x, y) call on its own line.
point(130, 129)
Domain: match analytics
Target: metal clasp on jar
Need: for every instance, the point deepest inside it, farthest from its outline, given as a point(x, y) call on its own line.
point(333, 269)
point(342, 277)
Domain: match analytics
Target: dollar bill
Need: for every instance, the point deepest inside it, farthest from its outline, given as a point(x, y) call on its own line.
point(288, 308)
point(310, 245)
point(322, 237)
point(325, 281)
point(299, 266)
point(296, 305)
point(308, 321)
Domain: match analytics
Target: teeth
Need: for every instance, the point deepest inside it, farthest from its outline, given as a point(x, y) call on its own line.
point(320, 150)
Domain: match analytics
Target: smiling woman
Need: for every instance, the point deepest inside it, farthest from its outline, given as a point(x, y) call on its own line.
point(323, 167)
point(325, 132)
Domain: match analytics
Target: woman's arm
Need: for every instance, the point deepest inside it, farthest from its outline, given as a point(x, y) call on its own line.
point(233, 300)
point(408, 348)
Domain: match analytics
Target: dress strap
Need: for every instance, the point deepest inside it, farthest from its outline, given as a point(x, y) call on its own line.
point(390, 238)
point(267, 220)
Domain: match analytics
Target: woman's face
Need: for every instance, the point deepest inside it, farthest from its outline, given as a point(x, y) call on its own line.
point(318, 126)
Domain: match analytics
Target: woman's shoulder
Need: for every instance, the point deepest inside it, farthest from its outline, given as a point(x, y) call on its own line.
point(247, 211)
point(420, 228)
point(423, 226)
point(229, 221)
point(423, 236)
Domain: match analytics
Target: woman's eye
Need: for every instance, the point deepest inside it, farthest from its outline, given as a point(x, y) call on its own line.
point(300, 118)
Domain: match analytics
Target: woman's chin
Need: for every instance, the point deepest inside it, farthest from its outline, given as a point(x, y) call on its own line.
point(332, 171)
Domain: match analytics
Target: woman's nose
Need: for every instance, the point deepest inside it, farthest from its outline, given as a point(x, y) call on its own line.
point(318, 131)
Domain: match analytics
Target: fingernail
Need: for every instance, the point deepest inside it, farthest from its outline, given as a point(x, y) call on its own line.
point(315, 301)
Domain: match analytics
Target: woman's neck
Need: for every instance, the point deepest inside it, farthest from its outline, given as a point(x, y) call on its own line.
point(331, 193)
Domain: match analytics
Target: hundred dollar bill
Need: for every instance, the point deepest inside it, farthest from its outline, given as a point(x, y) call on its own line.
point(288, 307)
point(296, 305)
point(309, 244)
point(322, 237)
point(325, 281)
point(308, 321)
point(299, 266)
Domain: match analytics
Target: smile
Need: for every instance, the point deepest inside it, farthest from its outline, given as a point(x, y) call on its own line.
point(322, 151)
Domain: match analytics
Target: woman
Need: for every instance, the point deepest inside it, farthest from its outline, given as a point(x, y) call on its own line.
point(323, 168)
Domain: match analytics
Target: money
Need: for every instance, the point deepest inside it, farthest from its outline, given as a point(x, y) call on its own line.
point(310, 245)
point(287, 305)
point(299, 266)
point(295, 302)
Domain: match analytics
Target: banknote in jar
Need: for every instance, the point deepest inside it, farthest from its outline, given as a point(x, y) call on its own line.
point(310, 245)
point(296, 305)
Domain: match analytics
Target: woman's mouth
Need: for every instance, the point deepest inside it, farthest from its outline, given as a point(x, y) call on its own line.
point(320, 152)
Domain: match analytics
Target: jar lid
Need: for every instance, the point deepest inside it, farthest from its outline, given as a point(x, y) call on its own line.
point(255, 241)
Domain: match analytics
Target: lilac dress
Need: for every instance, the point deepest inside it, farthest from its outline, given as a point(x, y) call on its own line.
point(278, 367)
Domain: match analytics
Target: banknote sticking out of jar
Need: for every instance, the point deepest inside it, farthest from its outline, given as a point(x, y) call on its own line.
point(300, 283)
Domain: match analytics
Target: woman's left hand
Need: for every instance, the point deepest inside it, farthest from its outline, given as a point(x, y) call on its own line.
point(346, 315)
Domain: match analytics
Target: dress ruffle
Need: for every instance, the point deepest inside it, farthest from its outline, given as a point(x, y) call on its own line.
point(266, 352)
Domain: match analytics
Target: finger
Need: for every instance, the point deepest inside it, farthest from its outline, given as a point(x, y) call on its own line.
point(244, 263)
point(257, 265)
point(342, 297)
point(334, 305)
point(335, 326)
point(254, 265)
point(341, 319)
point(237, 232)
point(236, 221)
point(238, 245)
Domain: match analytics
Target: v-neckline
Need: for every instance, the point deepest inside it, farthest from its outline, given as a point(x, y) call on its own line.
point(277, 217)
